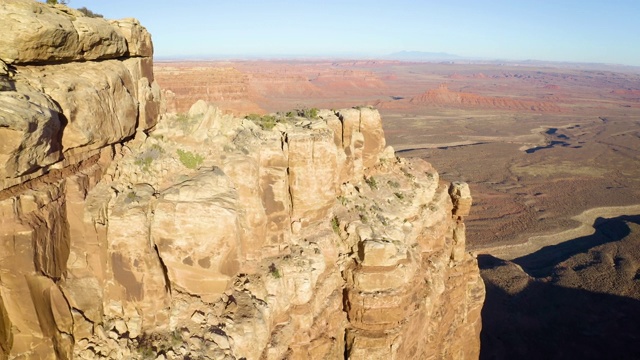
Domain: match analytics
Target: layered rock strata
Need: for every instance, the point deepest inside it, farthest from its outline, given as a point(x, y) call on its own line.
point(211, 236)
point(72, 90)
point(442, 96)
point(69, 86)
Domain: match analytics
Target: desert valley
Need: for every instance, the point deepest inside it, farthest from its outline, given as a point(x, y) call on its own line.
point(364, 209)
point(545, 147)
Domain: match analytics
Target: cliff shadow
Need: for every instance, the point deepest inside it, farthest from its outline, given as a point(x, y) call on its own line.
point(525, 318)
point(542, 262)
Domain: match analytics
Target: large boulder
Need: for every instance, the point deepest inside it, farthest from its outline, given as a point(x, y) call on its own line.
point(34, 32)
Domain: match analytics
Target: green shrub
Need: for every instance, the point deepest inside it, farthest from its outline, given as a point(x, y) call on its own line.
point(253, 117)
point(371, 181)
point(266, 122)
point(309, 113)
point(132, 197)
point(152, 344)
point(273, 270)
point(189, 159)
point(89, 13)
point(335, 225)
point(408, 174)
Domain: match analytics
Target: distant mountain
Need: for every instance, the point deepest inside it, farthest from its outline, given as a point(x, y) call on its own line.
point(421, 56)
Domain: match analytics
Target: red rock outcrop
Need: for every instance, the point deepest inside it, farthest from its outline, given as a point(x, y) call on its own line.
point(628, 94)
point(442, 96)
point(204, 235)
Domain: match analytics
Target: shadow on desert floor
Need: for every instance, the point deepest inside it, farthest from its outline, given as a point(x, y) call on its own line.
point(542, 320)
point(541, 262)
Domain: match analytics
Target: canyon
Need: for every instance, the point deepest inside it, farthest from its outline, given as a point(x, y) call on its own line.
point(138, 223)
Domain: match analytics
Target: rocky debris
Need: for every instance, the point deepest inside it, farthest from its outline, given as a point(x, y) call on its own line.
point(213, 236)
point(442, 96)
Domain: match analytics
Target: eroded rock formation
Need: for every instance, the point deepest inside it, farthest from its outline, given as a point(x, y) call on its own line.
point(210, 236)
point(227, 87)
point(442, 96)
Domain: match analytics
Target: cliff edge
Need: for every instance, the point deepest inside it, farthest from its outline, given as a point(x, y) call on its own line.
point(127, 232)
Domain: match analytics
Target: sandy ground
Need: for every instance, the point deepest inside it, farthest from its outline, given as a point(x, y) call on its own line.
point(586, 219)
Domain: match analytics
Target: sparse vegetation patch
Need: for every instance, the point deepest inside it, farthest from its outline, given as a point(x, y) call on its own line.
point(335, 225)
point(146, 158)
point(132, 197)
point(189, 159)
point(266, 122)
point(309, 113)
point(186, 122)
point(371, 181)
point(393, 184)
point(89, 13)
point(150, 345)
point(273, 270)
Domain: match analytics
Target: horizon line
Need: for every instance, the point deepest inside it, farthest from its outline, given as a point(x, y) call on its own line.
point(439, 57)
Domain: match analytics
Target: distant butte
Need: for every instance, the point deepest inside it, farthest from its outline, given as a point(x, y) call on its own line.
point(472, 76)
point(442, 96)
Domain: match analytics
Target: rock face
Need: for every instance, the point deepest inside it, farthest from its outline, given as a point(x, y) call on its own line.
point(210, 236)
point(61, 117)
point(57, 106)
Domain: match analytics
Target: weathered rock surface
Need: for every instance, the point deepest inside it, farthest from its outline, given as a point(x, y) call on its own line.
point(212, 236)
point(56, 107)
point(35, 33)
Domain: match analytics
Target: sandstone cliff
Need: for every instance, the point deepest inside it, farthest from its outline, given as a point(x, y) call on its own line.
point(210, 236)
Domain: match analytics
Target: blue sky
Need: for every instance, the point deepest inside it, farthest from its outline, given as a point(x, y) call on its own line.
point(603, 31)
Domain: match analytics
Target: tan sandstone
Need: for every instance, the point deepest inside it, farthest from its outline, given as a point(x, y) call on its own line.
point(205, 235)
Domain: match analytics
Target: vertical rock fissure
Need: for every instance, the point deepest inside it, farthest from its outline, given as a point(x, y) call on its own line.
point(165, 270)
point(289, 190)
